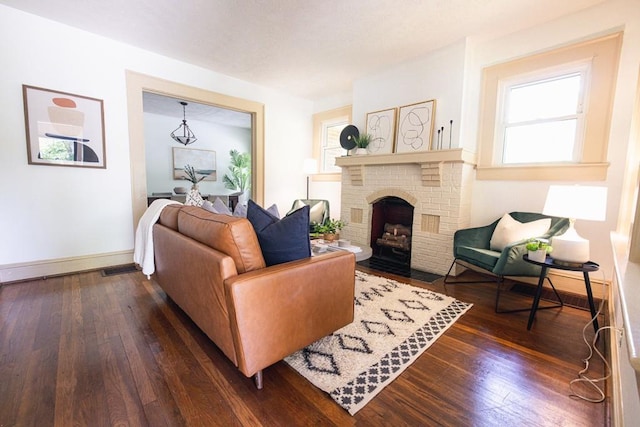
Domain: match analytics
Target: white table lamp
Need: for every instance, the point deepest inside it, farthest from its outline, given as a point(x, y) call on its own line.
point(309, 167)
point(574, 202)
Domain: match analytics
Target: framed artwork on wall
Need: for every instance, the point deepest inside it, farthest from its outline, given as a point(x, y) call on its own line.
point(415, 127)
point(203, 161)
point(381, 125)
point(63, 129)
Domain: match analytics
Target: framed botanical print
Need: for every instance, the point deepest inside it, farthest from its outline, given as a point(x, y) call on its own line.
point(415, 127)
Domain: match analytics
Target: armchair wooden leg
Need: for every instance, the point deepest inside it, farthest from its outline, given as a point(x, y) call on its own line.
point(257, 379)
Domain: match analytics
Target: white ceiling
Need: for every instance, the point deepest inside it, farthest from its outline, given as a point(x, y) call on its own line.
point(313, 48)
point(166, 106)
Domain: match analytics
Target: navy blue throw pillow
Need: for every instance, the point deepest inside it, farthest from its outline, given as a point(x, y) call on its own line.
point(281, 240)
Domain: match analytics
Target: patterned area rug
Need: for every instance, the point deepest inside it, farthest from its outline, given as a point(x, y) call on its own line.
point(394, 324)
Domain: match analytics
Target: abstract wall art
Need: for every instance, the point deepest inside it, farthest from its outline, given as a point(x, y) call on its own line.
point(63, 129)
point(381, 125)
point(415, 127)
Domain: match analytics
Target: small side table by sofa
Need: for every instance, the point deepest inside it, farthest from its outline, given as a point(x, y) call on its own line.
point(585, 268)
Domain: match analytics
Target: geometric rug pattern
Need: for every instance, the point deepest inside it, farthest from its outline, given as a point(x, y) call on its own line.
point(394, 323)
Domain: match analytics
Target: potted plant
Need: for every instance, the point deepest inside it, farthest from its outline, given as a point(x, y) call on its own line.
point(329, 229)
point(192, 176)
point(538, 249)
point(362, 142)
point(239, 177)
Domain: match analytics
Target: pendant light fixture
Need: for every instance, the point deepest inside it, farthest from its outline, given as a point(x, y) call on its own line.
point(183, 134)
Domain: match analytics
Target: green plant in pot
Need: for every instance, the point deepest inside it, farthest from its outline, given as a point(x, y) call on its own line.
point(362, 142)
point(192, 176)
point(330, 229)
point(538, 249)
point(239, 177)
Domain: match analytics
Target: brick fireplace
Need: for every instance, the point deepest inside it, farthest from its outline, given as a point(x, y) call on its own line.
point(436, 183)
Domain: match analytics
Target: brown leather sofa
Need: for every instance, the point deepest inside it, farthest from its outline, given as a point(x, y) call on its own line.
point(212, 267)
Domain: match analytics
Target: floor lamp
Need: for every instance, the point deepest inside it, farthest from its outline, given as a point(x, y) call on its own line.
point(309, 167)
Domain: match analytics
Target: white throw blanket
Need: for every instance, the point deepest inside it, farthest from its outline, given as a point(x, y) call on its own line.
point(143, 250)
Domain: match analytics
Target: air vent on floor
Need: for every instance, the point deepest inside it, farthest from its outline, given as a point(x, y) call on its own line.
point(121, 269)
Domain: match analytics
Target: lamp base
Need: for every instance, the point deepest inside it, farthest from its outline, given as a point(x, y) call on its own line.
point(570, 248)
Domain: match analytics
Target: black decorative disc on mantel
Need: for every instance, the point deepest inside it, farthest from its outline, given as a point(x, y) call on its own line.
point(347, 135)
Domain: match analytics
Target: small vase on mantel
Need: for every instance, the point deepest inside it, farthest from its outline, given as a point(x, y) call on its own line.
point(361, 151)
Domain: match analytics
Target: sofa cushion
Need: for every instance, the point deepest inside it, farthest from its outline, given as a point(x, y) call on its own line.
point(169, 216)
point(220, 207)
point(510, 230)
point(230, 235)
point(241, 210)
point(281, 240)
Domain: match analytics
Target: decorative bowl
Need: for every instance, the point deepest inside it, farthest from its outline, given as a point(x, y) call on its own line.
point(180, 190)
point(344, 243)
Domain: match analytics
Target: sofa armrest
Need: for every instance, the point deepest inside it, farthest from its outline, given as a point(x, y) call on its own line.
point(280, 309)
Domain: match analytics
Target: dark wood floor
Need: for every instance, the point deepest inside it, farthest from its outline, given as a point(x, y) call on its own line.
point(90, 350)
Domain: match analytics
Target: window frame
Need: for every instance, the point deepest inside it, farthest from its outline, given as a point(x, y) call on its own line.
point(581, 68)
point(321, 121)
point(602, 55)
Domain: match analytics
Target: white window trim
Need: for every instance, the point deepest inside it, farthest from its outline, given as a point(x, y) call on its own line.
point(583, 68)
point(603, 54)
point(320, 122)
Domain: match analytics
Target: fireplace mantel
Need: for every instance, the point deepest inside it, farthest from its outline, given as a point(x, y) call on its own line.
point(429, 161)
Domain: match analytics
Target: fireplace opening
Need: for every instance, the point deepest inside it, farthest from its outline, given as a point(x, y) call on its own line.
point(391, 228)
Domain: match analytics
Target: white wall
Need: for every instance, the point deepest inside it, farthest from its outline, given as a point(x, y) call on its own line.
point(211, 136)
point(56, 212)
point(437, 76)
point(452, 76)
point(492, 198)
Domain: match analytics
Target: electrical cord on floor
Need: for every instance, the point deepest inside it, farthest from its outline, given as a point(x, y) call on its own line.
point(582, 375)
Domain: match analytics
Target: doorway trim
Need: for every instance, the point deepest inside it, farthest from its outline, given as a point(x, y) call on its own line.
point(137, 84)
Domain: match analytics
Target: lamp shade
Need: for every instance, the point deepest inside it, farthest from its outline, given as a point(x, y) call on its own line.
point(576, 202)
point(310, 166)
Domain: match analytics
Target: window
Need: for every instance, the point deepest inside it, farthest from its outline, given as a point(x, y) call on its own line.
point(326, 128)
point(547, 116)
point(542, 118)
point(331, 146)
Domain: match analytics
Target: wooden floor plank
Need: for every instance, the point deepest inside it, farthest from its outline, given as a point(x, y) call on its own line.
point(116, 351)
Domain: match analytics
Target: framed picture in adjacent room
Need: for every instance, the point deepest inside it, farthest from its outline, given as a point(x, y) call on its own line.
point(415, 127)
point(63, 129)
point(381, 125)
point(203, 161)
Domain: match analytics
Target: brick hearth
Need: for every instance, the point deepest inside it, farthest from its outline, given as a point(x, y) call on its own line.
point(436, 183)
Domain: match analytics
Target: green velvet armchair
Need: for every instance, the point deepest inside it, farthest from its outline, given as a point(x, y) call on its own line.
point(318, 210)
point(471, 246)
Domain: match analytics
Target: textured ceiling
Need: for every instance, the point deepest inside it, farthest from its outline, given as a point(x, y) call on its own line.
point(166, 106)
point(308, 48)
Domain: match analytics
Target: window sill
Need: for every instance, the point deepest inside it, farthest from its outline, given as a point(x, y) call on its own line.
point(574, 172)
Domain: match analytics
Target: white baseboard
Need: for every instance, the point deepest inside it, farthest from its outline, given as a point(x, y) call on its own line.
point(55, 267)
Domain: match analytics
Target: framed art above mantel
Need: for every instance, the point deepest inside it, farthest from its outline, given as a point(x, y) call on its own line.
point(381, 125)
point(415, 127)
